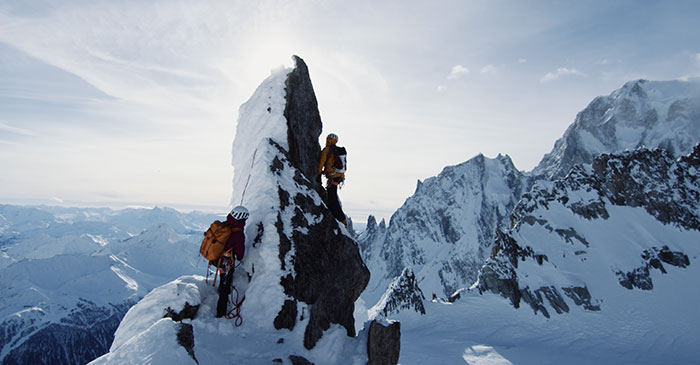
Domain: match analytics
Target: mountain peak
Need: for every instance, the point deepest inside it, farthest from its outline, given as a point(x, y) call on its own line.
point(664, 114)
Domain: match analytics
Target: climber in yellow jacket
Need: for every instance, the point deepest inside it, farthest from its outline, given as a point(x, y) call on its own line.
point(333, 164)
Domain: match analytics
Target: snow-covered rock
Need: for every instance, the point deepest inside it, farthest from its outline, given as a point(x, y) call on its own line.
point(371, 239)
point(302, 272)
point(445, 230)
point(651, 114)
point(402, 294)
point(625, 223)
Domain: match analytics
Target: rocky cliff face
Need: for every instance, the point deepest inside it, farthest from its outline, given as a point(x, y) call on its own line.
point(322, 265)
point(327, 272)
point(303, 121)
point(625, 219)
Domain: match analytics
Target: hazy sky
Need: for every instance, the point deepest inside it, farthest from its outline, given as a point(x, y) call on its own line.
point(130, 102)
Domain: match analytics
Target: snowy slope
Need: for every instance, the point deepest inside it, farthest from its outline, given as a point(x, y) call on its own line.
point(615, 226)
point(68, 275)
point(642, 113)
point(599, 268)
point(445, 231)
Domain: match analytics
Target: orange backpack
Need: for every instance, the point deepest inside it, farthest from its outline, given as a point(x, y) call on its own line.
point(215, 240)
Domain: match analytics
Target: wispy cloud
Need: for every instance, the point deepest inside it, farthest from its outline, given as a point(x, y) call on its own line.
point(488, 69)
point(697, 58)
point(458, 71)
point(15, 130)
point(522, 60)
point(561, 72)
point(441, 88)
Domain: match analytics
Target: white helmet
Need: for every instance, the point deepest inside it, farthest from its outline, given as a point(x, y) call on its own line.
point(240, 213)
point(332, 136)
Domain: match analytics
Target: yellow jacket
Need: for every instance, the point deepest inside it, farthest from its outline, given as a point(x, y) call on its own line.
point(325, 165)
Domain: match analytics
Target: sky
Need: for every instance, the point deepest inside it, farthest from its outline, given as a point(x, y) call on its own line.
point(125, 103)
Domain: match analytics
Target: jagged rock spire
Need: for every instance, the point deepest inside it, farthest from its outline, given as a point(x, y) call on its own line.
point(327, 272)
point(303, 120)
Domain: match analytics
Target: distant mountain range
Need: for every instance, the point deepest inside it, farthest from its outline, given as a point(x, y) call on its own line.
point(447, 229)
point(68, 275)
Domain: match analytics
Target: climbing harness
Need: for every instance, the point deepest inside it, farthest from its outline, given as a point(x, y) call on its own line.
point(218, 264)
point(235, 312)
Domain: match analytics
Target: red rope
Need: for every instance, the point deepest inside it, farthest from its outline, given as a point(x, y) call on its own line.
point(235, 312)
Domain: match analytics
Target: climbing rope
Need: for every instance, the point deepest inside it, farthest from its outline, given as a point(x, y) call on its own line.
point(235, 312)
point(246, 183)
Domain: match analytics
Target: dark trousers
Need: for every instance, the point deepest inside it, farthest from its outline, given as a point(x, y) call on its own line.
point(224, 291)
point(333, 202)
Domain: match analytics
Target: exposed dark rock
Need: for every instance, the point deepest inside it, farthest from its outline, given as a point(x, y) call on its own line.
point(276, 166)
point(185, 338)
point(535, 302)
point(285, 243)
point(287, 316)
point(674, 258)
point(303, 121)
point(568, 234)
point(693, 159)
point(554, 298)
point(258, 237)
point(284, 198)
point(322, 266)
point(383, 343)
point(185, 335)
point(641, 277)
point(581, 297)
point(500, 278)
point(299, 360)
point(188, 311)
point(654, 180)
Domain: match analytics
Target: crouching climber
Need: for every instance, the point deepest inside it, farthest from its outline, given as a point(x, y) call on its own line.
point(223, 243)
point(333, 164)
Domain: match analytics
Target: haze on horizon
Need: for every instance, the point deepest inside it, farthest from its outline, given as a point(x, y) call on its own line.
point(132, 103)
